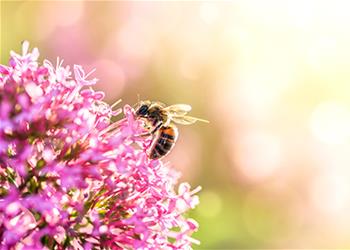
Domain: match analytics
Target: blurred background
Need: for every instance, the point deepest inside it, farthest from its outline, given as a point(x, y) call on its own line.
point(272, 77)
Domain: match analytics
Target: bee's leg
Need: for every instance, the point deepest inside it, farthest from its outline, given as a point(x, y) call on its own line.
point(156, 128)
point(144, 134)
point(152, 132)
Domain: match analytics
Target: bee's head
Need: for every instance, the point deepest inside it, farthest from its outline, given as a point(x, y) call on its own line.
point(142, 108)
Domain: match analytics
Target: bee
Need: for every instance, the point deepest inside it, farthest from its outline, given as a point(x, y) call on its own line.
point(160, 121)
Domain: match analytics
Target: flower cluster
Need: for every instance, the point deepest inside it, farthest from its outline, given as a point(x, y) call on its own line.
point(72, 179)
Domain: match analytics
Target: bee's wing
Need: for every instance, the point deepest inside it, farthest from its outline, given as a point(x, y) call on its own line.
point(187, 120)
point(178, 109)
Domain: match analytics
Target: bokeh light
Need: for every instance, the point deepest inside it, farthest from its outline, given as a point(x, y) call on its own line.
point(212, 204)
point(330, 123)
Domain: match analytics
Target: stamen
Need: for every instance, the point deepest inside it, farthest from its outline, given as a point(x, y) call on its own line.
point(116, 103)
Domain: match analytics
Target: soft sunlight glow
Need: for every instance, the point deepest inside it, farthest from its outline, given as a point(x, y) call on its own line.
point(330, 194)
point(258, 154)
point(59, 14)
point(112, 78)
point(330, 123)
point(134, 40)
point(209, 12)
point(271, 76)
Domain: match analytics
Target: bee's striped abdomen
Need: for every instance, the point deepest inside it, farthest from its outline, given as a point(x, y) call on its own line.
point(164, 142)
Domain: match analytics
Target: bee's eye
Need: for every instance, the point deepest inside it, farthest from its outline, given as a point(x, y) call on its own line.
point(142, 110)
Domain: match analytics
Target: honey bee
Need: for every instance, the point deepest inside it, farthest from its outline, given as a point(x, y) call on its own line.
point(160, 121)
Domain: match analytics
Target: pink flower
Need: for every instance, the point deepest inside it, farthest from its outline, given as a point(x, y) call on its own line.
point(70, 178)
